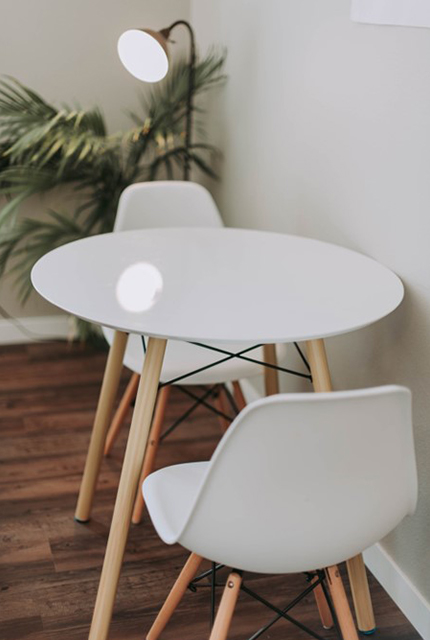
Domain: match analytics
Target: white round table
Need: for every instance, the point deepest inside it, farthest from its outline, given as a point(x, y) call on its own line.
point(205, 285)
point(226, 285)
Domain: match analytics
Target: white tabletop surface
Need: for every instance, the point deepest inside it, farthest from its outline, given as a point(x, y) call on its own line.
point(227, 285)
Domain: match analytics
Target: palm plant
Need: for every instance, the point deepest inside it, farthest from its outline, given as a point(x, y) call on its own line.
point(43, 147)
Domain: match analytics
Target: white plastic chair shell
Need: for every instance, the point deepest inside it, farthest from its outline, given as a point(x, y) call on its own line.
point(179, 204)
point(298, 482)
point(166, 203)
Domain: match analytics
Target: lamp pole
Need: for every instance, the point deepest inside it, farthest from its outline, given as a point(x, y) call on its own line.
point(190, 94)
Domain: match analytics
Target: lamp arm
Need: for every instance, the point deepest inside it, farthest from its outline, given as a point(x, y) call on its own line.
point(191, 81)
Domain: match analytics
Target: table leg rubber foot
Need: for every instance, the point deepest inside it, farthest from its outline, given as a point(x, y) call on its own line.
point(81, 521)
point(368, 633)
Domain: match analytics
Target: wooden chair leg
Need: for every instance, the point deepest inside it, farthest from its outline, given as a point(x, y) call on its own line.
point(175, 596)
point(340, 603)
point(323, 608)
point(222, 405)
point(121, 412)
point(226, 607)
point(151, 450)
point(356, 570)
point(239, 398)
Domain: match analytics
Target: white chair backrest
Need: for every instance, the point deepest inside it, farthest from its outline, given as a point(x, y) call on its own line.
point(168, 203)
point(305, 481)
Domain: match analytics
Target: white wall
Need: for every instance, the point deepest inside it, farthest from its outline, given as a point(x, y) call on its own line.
point(325, 129)
point(67, 52)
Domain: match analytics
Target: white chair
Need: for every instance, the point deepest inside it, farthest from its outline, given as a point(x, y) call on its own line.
point(299, 482)
point(174, 204)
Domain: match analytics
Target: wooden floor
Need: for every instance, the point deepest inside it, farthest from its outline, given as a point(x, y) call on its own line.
point(50, 565)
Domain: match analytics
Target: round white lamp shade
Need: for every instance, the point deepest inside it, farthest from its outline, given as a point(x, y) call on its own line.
point(144, 54)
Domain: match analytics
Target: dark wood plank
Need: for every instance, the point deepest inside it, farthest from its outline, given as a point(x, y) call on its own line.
point(50, 565)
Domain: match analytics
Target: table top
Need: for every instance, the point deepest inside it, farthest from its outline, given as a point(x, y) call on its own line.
point(226, 285)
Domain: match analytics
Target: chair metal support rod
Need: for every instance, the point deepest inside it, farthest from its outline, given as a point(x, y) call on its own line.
point(283, 613)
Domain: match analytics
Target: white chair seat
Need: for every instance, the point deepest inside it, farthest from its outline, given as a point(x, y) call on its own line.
point(170, 494)
point(182, 357)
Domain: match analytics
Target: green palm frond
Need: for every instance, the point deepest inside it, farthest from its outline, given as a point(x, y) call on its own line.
point(19, 183)
point(22, 107)
point(43, 147)
point(36, 134)
point(28, 240)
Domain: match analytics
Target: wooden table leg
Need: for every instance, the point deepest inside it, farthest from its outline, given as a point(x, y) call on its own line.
point(356, 570)
point(271, 380)
point(133, 460)
point(361, 594)
point(101, 423)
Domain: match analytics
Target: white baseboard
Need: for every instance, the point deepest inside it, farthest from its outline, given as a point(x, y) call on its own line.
point(38, 327)
point(400, 589)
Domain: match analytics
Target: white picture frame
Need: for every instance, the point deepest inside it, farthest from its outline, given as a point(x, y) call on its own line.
point(412, 13)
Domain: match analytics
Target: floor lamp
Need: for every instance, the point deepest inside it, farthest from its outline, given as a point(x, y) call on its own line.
point(144, 53)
